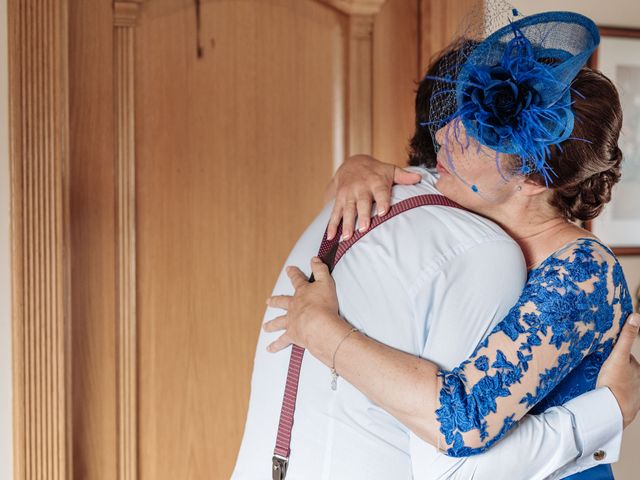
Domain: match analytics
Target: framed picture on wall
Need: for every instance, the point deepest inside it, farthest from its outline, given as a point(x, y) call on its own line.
point(618, 57)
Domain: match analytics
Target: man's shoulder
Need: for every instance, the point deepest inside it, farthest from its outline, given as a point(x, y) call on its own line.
point(457, 224)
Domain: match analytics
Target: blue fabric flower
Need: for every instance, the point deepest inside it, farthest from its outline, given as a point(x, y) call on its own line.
point(512, 90)
point(504, 107)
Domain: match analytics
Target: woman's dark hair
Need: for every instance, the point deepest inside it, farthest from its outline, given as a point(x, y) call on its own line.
point(588, 165)
point(422, 152)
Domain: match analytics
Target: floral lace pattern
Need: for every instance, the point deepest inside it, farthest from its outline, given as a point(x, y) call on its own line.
point(548, 349)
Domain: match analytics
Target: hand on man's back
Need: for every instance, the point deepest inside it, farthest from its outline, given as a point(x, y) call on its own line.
point(621, 371)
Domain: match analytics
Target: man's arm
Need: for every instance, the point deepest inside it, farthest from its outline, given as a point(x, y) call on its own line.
point(562, 438)
point(552, 445)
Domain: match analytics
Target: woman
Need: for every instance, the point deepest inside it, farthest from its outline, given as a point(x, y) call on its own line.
point(551, 345)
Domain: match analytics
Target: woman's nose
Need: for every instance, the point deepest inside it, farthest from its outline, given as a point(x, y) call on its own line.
point(440, 135)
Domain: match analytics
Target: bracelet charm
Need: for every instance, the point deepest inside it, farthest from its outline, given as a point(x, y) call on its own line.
point(334, 373)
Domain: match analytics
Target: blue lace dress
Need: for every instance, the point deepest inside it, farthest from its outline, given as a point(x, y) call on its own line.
point(547, 350)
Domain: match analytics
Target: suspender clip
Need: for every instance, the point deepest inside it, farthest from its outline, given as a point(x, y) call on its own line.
point(279, 467)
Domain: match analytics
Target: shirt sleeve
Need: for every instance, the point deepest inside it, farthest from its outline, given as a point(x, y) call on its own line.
point(569, 308)
point(550, 444)
point(598, 430)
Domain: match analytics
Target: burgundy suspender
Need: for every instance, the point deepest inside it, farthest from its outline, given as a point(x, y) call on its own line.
point(331, 251)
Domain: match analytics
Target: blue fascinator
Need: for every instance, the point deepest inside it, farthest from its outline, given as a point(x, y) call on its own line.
point(512, 91)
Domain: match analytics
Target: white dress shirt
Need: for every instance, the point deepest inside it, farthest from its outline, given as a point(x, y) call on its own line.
point(432, 282)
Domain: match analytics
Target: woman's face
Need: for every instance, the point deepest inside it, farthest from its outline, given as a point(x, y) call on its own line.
point(471, 174)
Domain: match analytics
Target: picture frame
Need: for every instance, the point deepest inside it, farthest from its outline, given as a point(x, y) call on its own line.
point(618, 57)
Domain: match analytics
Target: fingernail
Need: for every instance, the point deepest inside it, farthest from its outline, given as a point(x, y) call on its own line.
point(362, 229)
point(316, 260)
point(330, 237)
point(382, 212)
point(635, 320)
point(344, 237)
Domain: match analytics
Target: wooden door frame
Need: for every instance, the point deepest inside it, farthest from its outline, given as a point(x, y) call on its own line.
point(39, 137)
point(39, 141)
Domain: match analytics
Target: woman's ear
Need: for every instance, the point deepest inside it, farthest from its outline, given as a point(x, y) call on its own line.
point(531, 188)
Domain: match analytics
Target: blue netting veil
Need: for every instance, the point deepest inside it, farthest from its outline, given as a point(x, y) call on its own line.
point(506, 89)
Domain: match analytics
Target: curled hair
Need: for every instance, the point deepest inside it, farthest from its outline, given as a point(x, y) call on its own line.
point(588, 165)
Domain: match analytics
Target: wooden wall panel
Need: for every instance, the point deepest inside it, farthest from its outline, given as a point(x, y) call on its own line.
point(39, 135)
point(395, 73)
point(440, 23)
point(406, 35)
point(233, 151)
point(92, 238)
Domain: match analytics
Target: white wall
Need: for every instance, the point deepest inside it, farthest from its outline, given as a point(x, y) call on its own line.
point(6, 428)
point(612, 13)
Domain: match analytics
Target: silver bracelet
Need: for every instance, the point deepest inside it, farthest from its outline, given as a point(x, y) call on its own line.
point(334, 374)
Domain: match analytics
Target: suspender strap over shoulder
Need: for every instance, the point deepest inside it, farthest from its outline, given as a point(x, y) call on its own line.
point(331, 251)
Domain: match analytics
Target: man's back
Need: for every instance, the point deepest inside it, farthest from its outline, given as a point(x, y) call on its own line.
point(411, 283)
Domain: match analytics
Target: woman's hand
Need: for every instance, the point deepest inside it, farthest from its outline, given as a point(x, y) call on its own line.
point(621, 371)
point(312, 312)
point(360, 181)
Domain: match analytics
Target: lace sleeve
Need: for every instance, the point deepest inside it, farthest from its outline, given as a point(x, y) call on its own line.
point(573, 304)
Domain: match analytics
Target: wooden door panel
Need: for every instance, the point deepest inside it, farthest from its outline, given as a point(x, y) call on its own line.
point(233, 151)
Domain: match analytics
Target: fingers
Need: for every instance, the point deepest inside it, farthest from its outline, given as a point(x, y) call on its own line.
point(348, 219)
point(297, 277)
point(382, 197)
point(628, 334)
point(320, 270)
point(279, 301)
point(280, 344)
point(334, 221)
point(364, 212)
point(278, 323)
point(404, 177)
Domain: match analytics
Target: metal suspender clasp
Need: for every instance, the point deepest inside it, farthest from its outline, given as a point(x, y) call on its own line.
point(279, 467)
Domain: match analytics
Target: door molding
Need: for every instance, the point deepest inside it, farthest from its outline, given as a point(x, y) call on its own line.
point(361, 16)
point(125, 20)
point(39, 159)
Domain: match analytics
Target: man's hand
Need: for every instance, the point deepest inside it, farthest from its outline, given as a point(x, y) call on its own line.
point(312, 316)
point(621, 371)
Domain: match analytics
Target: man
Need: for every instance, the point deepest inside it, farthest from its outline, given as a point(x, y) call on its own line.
point(414, 282)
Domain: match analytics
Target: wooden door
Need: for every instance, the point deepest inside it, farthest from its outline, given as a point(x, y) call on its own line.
point(239, 116)
point(188, 144)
